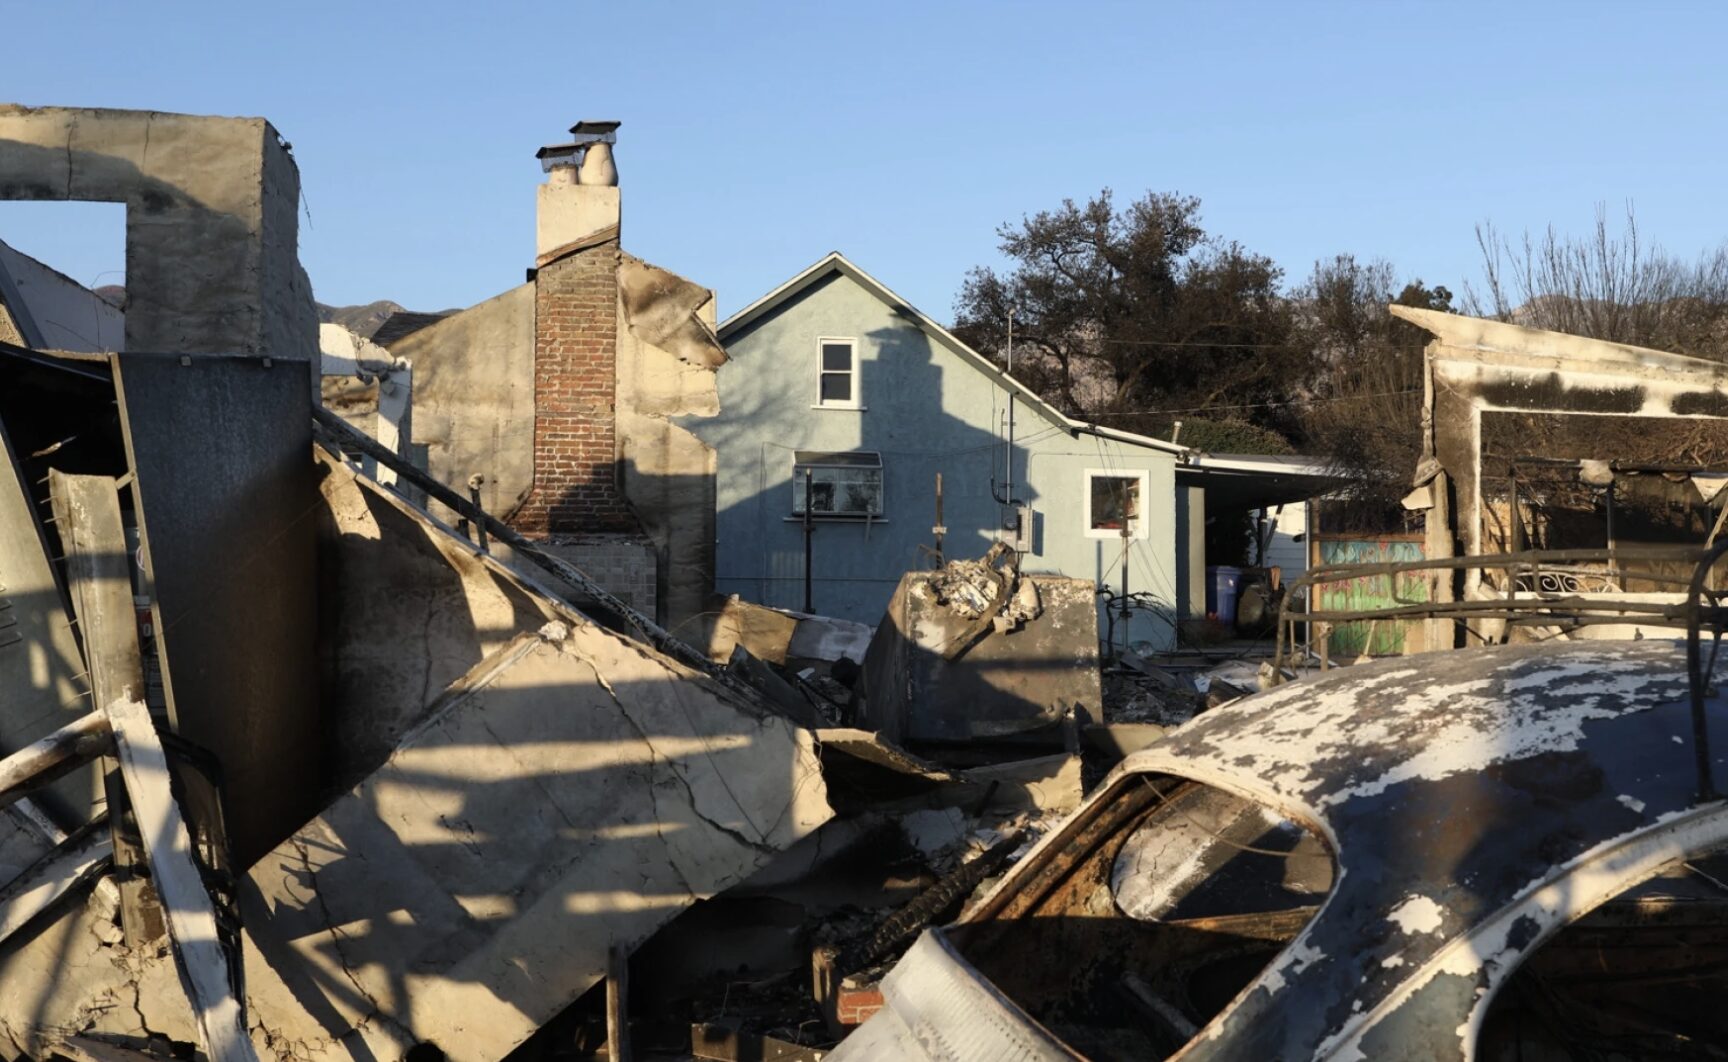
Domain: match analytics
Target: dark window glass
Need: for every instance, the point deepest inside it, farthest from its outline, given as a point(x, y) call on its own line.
point(836, 387)
point(836, 357)
point(847, 484)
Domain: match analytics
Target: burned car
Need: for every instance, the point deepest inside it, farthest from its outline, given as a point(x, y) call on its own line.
point(1500, 853)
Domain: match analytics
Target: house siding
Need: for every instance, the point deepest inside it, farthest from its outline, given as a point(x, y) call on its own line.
point(927, 410)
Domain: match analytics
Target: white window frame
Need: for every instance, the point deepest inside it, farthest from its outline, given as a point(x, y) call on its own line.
point(1139, 529)
point(856, 402)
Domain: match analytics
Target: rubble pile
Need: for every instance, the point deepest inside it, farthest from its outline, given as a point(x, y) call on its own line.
point(306, 755)
point(523, 797)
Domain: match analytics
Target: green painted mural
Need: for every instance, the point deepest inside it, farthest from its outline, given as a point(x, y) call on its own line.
point(1373, 637)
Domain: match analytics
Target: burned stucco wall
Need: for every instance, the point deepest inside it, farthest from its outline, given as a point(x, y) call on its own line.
point(667, 357)
point(474, 397)
point(404, 610)
point(474, 412)
point(1476, 366)
point(211, 220)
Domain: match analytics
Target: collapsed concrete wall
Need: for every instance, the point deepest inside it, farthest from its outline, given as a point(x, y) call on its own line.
point(570, 794)
point(536, 790)
point(405, 610)
point(61, 313)
point(211, 220)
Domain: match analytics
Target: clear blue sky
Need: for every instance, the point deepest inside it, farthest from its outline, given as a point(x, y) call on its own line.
point(757, 137)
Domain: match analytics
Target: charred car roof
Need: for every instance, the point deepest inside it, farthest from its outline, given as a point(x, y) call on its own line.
point(1475, 802)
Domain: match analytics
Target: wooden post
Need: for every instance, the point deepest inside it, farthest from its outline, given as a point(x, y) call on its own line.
point(87, 514)
point(618, 997)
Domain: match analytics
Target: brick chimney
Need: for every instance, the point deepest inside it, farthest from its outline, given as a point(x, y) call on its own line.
point(577, 482)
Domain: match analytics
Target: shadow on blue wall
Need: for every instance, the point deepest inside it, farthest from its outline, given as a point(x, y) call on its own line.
point(857, 563)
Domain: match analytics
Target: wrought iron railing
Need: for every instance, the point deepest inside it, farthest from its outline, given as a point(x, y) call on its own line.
point(1564, 589)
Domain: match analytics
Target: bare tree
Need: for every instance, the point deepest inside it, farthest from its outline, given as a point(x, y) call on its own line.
point(1608, 285)
point(1365, 409)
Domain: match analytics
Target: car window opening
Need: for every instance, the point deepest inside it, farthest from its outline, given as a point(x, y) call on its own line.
point(1150, 935)
point(1641, 976)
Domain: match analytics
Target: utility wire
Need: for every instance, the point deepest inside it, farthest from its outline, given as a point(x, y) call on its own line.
point(1250, 405)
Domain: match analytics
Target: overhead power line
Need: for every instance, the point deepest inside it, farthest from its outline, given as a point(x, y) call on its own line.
point(1251, 405)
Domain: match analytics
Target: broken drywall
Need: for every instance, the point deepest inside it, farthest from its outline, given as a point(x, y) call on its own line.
point(62, 313)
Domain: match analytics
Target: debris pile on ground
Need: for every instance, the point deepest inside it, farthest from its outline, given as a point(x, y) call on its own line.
point(947, 665)
point(312, 757)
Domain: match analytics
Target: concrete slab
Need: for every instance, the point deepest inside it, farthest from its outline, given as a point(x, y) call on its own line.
point(573, 792)
point(40, 664)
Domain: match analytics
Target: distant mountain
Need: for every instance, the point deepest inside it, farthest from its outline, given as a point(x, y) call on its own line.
point(361, 320)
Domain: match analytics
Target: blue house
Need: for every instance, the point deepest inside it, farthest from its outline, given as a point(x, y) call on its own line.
point(857, 432)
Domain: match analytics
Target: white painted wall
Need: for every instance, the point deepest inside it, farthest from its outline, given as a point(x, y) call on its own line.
point(1288, 547)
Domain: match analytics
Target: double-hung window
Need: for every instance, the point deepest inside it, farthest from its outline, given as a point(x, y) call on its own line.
point(837, 373)
point(840, 484)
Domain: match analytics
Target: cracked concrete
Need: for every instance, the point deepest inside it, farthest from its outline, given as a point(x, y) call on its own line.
point(71, 976)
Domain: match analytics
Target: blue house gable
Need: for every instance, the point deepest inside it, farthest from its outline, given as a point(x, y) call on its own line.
point(841, 399)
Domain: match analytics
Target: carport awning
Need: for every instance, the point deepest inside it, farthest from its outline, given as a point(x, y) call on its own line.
point(1248, 481)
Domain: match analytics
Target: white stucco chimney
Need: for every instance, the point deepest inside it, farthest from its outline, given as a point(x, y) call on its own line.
point(580, 196)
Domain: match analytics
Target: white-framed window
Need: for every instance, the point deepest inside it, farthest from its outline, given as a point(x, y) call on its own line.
point(841, 484)
point(1114, 499)
point(837, 373)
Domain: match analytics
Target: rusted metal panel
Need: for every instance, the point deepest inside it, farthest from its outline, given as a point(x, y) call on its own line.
point(221, 448)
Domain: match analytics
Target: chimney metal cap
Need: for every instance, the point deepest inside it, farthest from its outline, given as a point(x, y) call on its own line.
point(585, 134)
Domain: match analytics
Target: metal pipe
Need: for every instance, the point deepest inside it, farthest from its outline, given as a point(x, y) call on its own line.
point(940, 529)
point(1008, 486)
point(475, 482)
point(1697, 682)
point(809, 531)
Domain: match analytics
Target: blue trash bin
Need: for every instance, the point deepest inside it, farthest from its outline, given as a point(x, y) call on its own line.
point(1222, 585)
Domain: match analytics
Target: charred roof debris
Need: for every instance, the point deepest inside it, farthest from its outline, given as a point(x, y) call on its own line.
point(328, 730)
